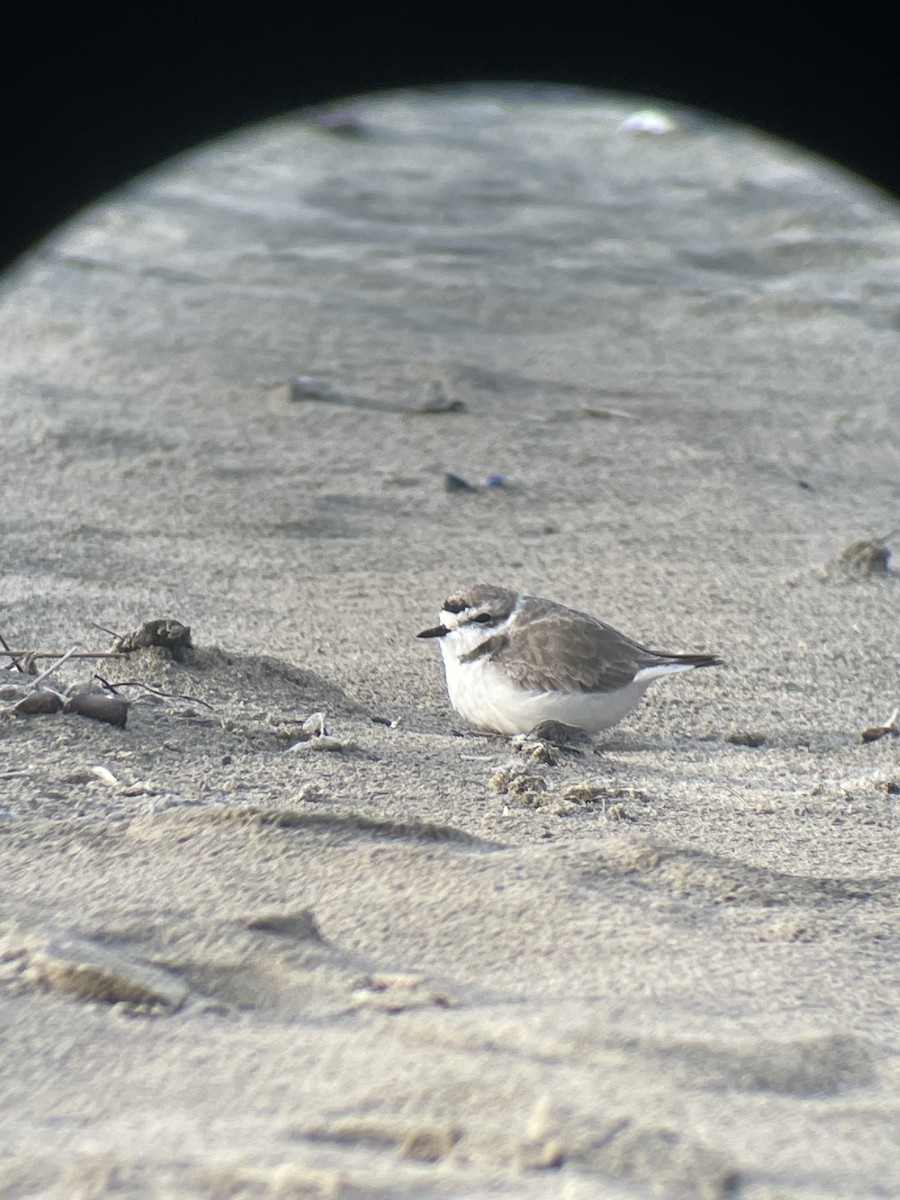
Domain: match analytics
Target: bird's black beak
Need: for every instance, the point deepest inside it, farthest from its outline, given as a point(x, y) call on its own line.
point(438, 631)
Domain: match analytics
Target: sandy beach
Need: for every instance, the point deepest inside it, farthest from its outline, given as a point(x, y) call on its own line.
point(244, 958)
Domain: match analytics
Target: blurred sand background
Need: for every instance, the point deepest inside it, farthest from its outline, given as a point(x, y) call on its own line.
point(416, 964)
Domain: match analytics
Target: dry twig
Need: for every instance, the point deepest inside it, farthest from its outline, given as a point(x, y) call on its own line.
point(120, 683)
point(15, 662)
point(60, 654)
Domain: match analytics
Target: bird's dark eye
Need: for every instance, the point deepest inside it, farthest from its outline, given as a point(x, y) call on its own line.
point(483, 619)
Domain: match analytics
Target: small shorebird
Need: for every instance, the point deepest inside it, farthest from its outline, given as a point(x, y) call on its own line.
point(513, 662)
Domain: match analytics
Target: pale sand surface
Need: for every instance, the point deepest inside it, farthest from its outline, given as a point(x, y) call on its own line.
point(231, 971)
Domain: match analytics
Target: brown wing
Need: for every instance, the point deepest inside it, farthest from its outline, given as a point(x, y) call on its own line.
point(570, 653)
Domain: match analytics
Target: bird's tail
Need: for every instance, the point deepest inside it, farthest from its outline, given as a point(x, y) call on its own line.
point(695, 660)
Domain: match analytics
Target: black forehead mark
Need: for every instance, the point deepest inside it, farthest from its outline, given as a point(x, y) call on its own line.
point(455, 605)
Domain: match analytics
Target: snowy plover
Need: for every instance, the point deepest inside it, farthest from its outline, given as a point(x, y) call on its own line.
point(515, 661)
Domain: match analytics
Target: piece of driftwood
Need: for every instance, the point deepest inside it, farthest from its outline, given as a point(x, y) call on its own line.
point(322, 391)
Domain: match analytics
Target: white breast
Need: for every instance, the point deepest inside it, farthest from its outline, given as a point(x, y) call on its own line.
point(484, 695)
